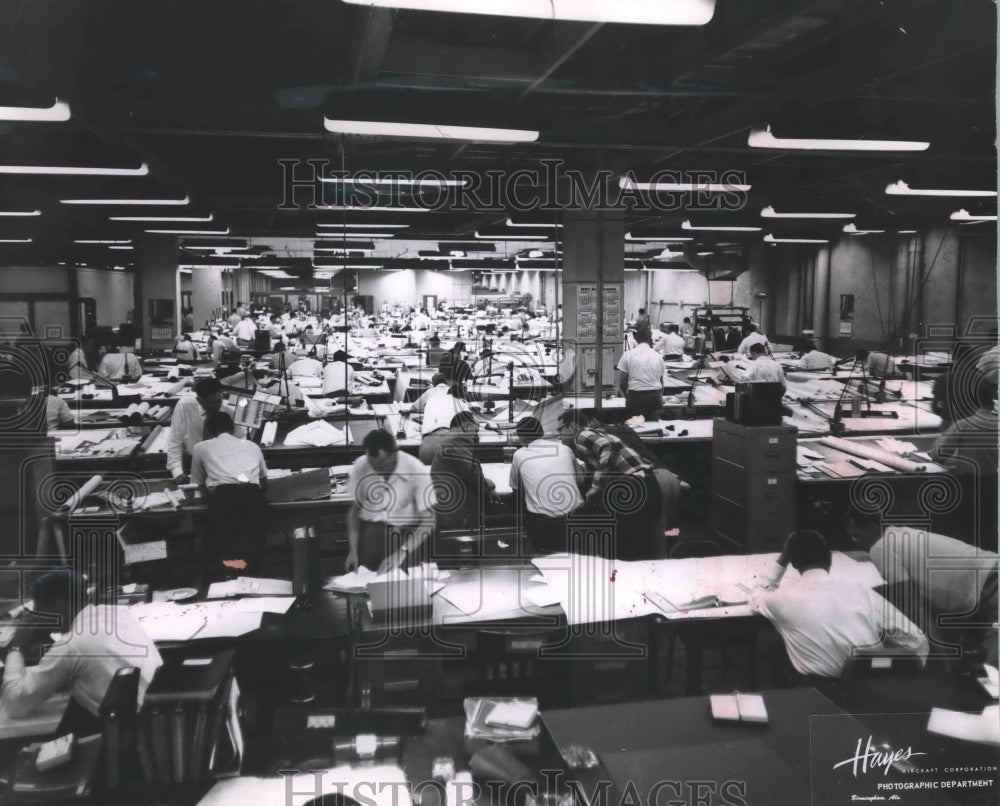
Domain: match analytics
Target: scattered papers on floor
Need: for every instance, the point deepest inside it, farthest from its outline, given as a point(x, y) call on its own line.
point(250, 586)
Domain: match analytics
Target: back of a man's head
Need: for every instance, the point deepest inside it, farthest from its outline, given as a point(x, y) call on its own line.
point(863, 527)
point(219, 422)
point(673, 329)
point(529, 429)
point(751, 329)
point(643, 335)
point(61, 592)
point(757, 349)
point(807, 549)
point(438, 378)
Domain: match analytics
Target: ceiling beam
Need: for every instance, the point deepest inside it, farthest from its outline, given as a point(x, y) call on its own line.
point(565, 41)
point(369, 44)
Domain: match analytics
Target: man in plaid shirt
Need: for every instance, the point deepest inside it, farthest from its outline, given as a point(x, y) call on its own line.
point(623, 485)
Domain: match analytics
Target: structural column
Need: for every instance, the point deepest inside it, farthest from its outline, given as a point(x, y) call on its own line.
point(206, 294)
point(157, 291)
point(593, 292)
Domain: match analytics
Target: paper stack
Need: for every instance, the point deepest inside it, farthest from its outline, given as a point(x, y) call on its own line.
point(501, 719)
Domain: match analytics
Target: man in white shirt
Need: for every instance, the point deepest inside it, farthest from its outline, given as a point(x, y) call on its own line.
point(812, 358)
point(825, 621)
point(879, 365)
point(671, 342)
point(952, 581)
point(221, 345)
point(437, 408)
point(392, 506)
point(96, 641)
point(117, 366)
point(753, 337)
point(338, 375)
point(232, 475)
point(639, 375)
point(546, 474)
point(306, 366)
point(245, 331)
point(187, 424)
point(763, 368)
point(234, 318)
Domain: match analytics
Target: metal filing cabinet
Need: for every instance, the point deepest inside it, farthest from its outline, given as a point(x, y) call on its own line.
point(753, 486)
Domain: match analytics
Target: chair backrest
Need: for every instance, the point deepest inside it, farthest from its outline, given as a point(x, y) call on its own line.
point(117, 713)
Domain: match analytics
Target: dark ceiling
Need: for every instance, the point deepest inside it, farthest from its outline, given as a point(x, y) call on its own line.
point(213, 95)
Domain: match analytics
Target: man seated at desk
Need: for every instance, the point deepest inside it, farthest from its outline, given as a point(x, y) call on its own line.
point(57, 413)
point(184, 348)
point(970, 444)
point(188, 424)
point(670, 343)
point(950, 578)
point(96, 641)
point(437, 408)
point(338, 375)
point(762, 368)
point(118, 366)
point(812, 358)
point(233, 477)
point(547, 474)
point(753, 337)
point(245, 331)
point(392, 501)
point(879, 365)
point(822, 620)
point(306, 365)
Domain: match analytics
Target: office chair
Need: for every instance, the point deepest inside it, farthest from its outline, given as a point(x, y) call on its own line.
point(118, 726)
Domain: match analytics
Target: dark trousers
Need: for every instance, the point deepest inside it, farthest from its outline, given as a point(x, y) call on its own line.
point(645, 403)
point(544, 534)
point(635, 503)
point(378, 540)
point(238, 521)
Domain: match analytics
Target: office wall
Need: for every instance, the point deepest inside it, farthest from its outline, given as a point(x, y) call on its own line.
point(34, 280)
point(113, 292)
point(408, 286)
point(901, 285)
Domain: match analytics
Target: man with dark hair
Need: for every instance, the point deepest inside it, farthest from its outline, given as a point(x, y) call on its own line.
point(545, 474)
point(623, 485)
point(95, 642)
point(752, 337)
point(671, 343)
point(969, 445)
point(338, 375)
point(878, 365)
point(825, 620)
point(763, 368)
point(233, 477)
point(187, 424)
point(391, 513)
point(639, 376)
point(812, 358)
point(461, 490)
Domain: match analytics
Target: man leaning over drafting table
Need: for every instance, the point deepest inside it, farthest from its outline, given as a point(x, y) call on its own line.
point(392, 504)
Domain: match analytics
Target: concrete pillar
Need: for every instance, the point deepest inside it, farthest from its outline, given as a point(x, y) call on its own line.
point(593, 295)
point(206, 293)
point(156, 289)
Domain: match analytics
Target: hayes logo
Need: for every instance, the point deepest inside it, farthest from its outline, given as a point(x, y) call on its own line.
point(871, 758)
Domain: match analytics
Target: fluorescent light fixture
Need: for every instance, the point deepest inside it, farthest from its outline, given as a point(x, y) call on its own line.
point(352, 208)
point(965, 215)
point(127, 240)
point(72, 170)
point(687, 225)
point(130, 202)
point(121, 247)
point(770, 212)
point(189, 231)
point(657, 238)
point(851, 229)
point(428, 181)
point(900, 188)
point(338, 236)
point(512, 223)
point(639, 12)
point(365, 226)
point(769, 238)
point(164, 219)
point(345, 266)
point(209, 266)
point(426, 131)
point(348, 250)
point(20, 212)
point(907, 232)
point(506, 237)
point(626, 183)
point(57, 113)
point(15, 240)
point(762, 138)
